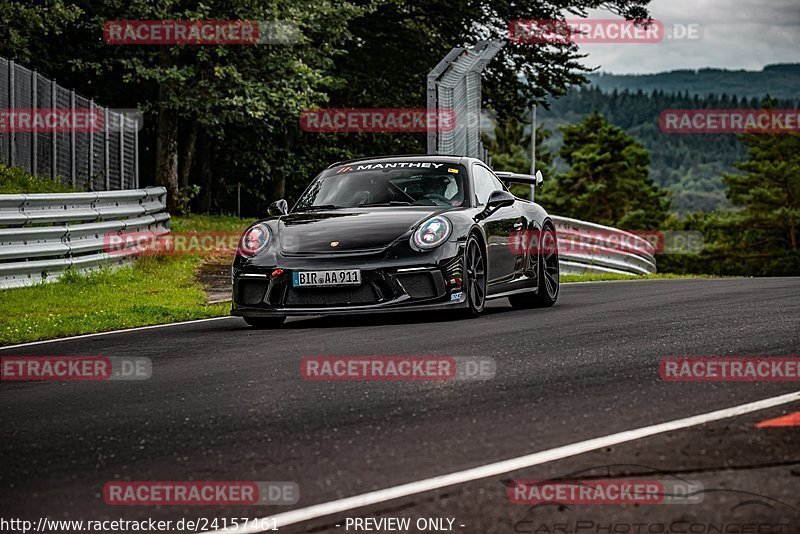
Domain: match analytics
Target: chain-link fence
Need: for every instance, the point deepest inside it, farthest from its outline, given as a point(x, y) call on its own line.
point(101, 157)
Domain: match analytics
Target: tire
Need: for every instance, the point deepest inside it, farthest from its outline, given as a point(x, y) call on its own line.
point(474, 277)
point(547, 293)
point(264, 323)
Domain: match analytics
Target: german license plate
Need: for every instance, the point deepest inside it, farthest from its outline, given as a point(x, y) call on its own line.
point(341, 277)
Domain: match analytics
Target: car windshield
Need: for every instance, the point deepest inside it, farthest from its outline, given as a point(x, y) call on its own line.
point(439, 184)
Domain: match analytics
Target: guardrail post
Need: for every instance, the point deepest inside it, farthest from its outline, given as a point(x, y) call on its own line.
point(12, 103)
point(105, 148)
point(54, 151)
point(34, 135)
point(72, 176)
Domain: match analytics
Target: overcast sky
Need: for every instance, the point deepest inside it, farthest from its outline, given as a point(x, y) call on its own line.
point(736, 34)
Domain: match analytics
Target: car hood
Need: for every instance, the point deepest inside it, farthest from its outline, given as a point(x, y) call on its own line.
point(348, 229)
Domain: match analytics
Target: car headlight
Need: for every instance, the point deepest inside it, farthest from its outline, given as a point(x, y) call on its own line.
point(432, 233)
point(254, 240)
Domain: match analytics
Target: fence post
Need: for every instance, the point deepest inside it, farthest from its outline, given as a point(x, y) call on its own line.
point(105, 147)
point(91, 148)
point(7, 103)
point(34, 135)
point(54, 155)
point(12, 103)
point(121, 150)
point(72, 176)
point(136, 155)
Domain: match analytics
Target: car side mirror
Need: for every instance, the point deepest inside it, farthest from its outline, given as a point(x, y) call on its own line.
point(539, 179)
point(278, 208)
point(497, 199)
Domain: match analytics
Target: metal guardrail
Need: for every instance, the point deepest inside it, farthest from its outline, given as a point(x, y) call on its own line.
point(42, 235)
point(637, 259)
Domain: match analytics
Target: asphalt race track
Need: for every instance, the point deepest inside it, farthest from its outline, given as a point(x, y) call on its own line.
point(226, 402)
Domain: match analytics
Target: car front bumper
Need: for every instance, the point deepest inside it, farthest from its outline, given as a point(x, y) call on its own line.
point(426, 281)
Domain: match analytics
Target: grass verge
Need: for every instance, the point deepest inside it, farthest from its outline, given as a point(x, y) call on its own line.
point(608, 277)
point(154, 290)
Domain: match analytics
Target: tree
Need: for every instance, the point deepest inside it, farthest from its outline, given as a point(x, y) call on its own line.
point(218, 115)
point(23, 23)
point(202, 93)
point(608, 181)
point(763, 235)
point(398, 44)
point(510, 150)
point(222, 89)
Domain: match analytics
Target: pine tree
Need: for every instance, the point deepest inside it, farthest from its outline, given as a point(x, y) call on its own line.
point(765, 234)
point(608, 180)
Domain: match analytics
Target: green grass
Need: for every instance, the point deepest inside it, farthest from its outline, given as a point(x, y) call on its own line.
point(13, 180)
point(608, 277)
point(209, 223)
point(154, 290)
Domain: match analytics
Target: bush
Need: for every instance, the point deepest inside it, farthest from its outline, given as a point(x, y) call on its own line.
point(13, 180)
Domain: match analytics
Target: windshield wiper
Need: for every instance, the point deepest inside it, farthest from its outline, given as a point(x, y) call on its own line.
point(320, 207)
point(391, 203)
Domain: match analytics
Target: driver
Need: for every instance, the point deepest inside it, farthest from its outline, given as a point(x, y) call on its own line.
point(434, 186)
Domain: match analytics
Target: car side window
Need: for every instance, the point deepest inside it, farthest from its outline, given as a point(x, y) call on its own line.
point(485, 183)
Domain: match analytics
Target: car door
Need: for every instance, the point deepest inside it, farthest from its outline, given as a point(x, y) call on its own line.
point(503, 263)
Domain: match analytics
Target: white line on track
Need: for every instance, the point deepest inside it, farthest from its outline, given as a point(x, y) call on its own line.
point(110, 332)
point(505, 466)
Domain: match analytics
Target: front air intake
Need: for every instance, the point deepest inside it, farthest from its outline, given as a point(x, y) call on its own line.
point(251, 292)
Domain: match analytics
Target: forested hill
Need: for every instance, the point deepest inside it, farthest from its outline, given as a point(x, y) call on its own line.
point(690, 165)
point(780, 81)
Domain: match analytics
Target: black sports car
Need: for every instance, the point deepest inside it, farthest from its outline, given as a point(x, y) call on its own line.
point(397, 233)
